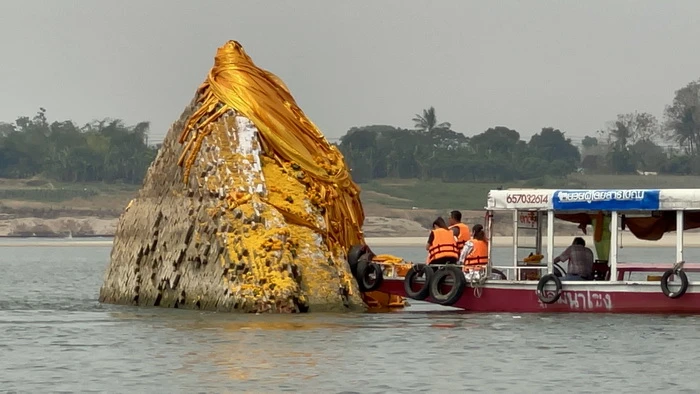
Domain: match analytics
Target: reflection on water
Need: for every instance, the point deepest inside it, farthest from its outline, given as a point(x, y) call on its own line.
point(55, 336)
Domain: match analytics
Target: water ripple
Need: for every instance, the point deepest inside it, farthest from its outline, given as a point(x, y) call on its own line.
point(55, 336)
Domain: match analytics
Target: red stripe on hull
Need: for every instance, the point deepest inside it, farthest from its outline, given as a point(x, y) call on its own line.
point(511, 297)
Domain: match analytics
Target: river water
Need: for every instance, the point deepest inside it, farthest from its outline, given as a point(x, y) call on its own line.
point(55, 336)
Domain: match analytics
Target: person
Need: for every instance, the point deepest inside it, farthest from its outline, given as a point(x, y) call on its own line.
point(459, 229)
point(580, 260)
point(442, 244)
point(476, 251)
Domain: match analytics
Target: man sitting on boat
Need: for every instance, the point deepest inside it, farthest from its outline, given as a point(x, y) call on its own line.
point(476, 251)
point(580, 260)
point(459, 229)
point(442, 244)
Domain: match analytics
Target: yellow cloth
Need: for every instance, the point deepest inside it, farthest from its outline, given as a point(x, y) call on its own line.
point(286, 134)
point(602, 246)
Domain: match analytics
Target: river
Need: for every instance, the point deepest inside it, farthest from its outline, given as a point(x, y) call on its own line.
point(56, 336)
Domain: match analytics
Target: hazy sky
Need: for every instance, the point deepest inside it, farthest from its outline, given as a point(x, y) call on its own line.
point(572, 64)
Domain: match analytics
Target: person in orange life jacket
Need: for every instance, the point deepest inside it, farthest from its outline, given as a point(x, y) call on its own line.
point(459, 229)
point(469, 245)
point(442, 244)
point(476, 249)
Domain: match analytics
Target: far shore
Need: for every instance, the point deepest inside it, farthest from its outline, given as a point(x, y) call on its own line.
point(627, 240)
point(560, 241)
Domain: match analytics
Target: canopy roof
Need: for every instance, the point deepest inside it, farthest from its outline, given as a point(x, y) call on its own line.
point(577, 200)
point(582, 206)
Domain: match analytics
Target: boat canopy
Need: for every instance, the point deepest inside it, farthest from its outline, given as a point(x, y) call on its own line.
point(594, 200)
point(584, 206)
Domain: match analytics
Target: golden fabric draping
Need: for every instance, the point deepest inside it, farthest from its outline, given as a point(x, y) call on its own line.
point(286, 134)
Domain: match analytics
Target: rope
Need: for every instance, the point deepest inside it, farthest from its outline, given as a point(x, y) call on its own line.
point(477, 281)
point(678, 266)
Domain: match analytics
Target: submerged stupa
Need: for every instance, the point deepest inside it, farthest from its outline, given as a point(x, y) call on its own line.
point(247, 207)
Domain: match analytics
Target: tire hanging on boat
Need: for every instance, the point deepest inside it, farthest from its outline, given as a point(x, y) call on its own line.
point(458, 285)
point(354, 255)
point(540, 289)
point(365, 268)
point(664, 283)
point(499, 273)
point(408, 281)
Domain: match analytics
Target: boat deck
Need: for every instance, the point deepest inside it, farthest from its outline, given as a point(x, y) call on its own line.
point(622, 268)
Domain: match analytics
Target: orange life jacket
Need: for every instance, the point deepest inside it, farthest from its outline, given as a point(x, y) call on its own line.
point(479, 254)
point(444, 245)
point(464, 234)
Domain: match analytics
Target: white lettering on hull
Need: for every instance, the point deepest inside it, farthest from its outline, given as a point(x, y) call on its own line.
point(581, 300)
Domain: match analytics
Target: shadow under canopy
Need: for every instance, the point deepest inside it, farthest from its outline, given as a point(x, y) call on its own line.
point(649, 228)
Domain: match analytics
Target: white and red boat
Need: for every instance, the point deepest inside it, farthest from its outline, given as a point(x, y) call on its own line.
point(521, 286)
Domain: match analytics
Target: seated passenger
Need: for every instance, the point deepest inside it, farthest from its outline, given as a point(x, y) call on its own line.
point(442, 244)
point(460, 230)
point(476, 251)
point(580, 260)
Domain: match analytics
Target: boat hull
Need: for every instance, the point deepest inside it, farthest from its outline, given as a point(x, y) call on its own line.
point(582, 297)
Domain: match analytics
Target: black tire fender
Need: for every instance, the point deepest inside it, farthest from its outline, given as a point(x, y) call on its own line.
point(459, 283)
point(364, 270)
point(414, 272)
point(664, 283)
point(354, 255)
point(540, 289)
point(499, 273)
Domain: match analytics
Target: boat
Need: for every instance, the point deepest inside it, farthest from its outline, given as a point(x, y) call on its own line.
point(532, 283)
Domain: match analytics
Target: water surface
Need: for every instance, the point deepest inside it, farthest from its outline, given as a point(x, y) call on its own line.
point(55, 336)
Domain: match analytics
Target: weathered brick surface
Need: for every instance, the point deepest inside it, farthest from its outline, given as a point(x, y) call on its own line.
point(184, 245)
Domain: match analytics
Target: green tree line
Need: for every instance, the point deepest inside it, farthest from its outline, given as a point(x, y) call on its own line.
point(632, 143)
point(110, 151)
point(100, 151)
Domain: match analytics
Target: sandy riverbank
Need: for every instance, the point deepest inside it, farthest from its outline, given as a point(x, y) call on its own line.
point(627, 240)
point(374, 226)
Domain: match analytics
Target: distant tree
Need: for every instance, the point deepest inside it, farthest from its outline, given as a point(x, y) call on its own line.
point(359, 147)
point(632, 127)
point(589, 142)
point(647, 156)
point(429, 122)
point(499, 140)
point(448, 139)
point(591, 162)
point(102, 151)
point(554, 148)
point(638, 129)
point(682, 118)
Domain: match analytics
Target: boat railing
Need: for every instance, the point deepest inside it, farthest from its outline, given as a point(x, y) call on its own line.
point(519, 270)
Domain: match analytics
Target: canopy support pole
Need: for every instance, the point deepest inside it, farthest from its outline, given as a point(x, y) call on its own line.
point(489, 224)
point(614, 234)
point(516, 237)
point(538, 241)
point(679, 236)
point(550, 241)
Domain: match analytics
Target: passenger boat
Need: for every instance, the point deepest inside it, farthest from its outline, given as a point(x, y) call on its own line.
point(532, 282)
